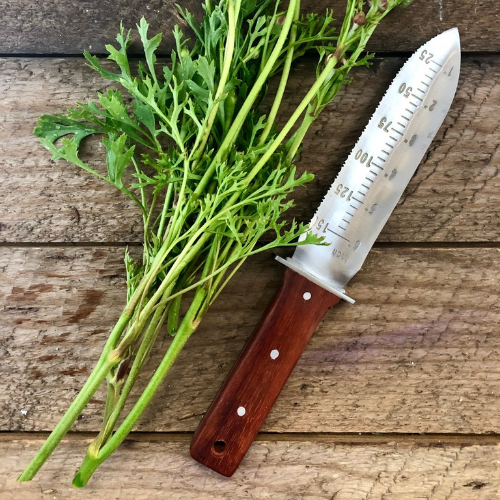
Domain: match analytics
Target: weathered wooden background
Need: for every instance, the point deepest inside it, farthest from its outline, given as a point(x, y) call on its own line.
point(396, 397)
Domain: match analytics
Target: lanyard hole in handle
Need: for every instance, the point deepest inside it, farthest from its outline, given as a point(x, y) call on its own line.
point(219, 447)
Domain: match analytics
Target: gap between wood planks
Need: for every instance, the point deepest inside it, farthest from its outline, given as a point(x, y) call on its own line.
point(382, 244)
point(326, 437)
point(309, 56)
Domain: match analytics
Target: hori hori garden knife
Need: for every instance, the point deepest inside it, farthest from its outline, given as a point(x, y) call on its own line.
point(350, 218)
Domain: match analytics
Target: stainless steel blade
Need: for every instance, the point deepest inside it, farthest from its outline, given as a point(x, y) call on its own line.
point(377, 171)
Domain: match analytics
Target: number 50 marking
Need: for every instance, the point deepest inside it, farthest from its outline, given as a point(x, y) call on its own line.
point(406, 91)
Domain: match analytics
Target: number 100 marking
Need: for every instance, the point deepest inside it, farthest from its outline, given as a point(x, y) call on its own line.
point(362, 157)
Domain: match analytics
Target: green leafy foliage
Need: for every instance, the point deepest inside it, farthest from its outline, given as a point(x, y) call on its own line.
point(118, 157)
point(210, 172)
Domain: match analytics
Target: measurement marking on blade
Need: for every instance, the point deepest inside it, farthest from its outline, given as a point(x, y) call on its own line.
point(359, 201)
point(374, 173)
point(430, 77)
point(360, 193)
point(397, 131)
point(366, 187)
point(368, 179)
point(393, 138)
point(343, 228)
point(381, 159)
point(413, 104)
point(337, 234)
point(407, 119)
point(401, 125)
point(384, 151)
point(420, 90)
point(346, 221)
point(387, 144)
point(425, 84)
point(411, 112)
point(352, 206)
point(433, 70)
point(436, 63)
point(416, 97)
point(348, 213)
point(378, 166)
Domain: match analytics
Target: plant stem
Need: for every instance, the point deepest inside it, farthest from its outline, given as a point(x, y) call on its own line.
point(102, 368)
point(187, 327)
point(249, 101)
point(291, 122)
point(190, 250)
point(351, 37)
point(140, 358)
point(66, 421)
point(298, 136)
point(233, 11)
point(173, 315)
point(284, 78)
point(166, 206)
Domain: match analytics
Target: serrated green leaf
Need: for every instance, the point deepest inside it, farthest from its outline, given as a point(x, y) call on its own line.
point(200, 93)
point(96, 65)
point(207, 72)
point(69, 152)
point(149, 45)
point(118, 157)
point(120, 56)
point(145, 115)
point(117, 56)
point(52, 127)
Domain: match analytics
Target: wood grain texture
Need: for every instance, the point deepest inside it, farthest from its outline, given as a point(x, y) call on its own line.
point(419, 352)
point(260, 373)
point(454, 195)
point(282, 470)
point(53, 27)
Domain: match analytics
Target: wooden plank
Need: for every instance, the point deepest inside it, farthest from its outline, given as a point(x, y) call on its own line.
point(453, 197)
point(282, 470)
point(70, 27)
point(418, 353)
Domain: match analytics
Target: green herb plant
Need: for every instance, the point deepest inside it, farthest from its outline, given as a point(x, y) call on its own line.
point(211, 173)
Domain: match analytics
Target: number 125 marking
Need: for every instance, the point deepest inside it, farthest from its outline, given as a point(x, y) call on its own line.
point(342, 191)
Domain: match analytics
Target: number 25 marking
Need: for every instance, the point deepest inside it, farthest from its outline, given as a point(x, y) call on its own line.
point(426, 56)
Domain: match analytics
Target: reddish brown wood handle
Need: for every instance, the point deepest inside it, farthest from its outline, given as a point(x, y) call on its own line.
point(249, 392)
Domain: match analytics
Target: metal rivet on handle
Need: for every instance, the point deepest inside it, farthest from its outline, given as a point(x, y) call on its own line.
point(306, 296)
point(241, 411)
point(274, 353)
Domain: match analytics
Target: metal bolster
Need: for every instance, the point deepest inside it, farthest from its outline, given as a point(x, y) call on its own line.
point(288, 262)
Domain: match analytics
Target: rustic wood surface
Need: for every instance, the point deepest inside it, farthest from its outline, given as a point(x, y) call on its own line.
point(395, 398)
point(419, 352)
point(454, 196)
point(53, 27)
point(285, 469)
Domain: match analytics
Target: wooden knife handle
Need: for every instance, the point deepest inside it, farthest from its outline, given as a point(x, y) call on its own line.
point(249, 392)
